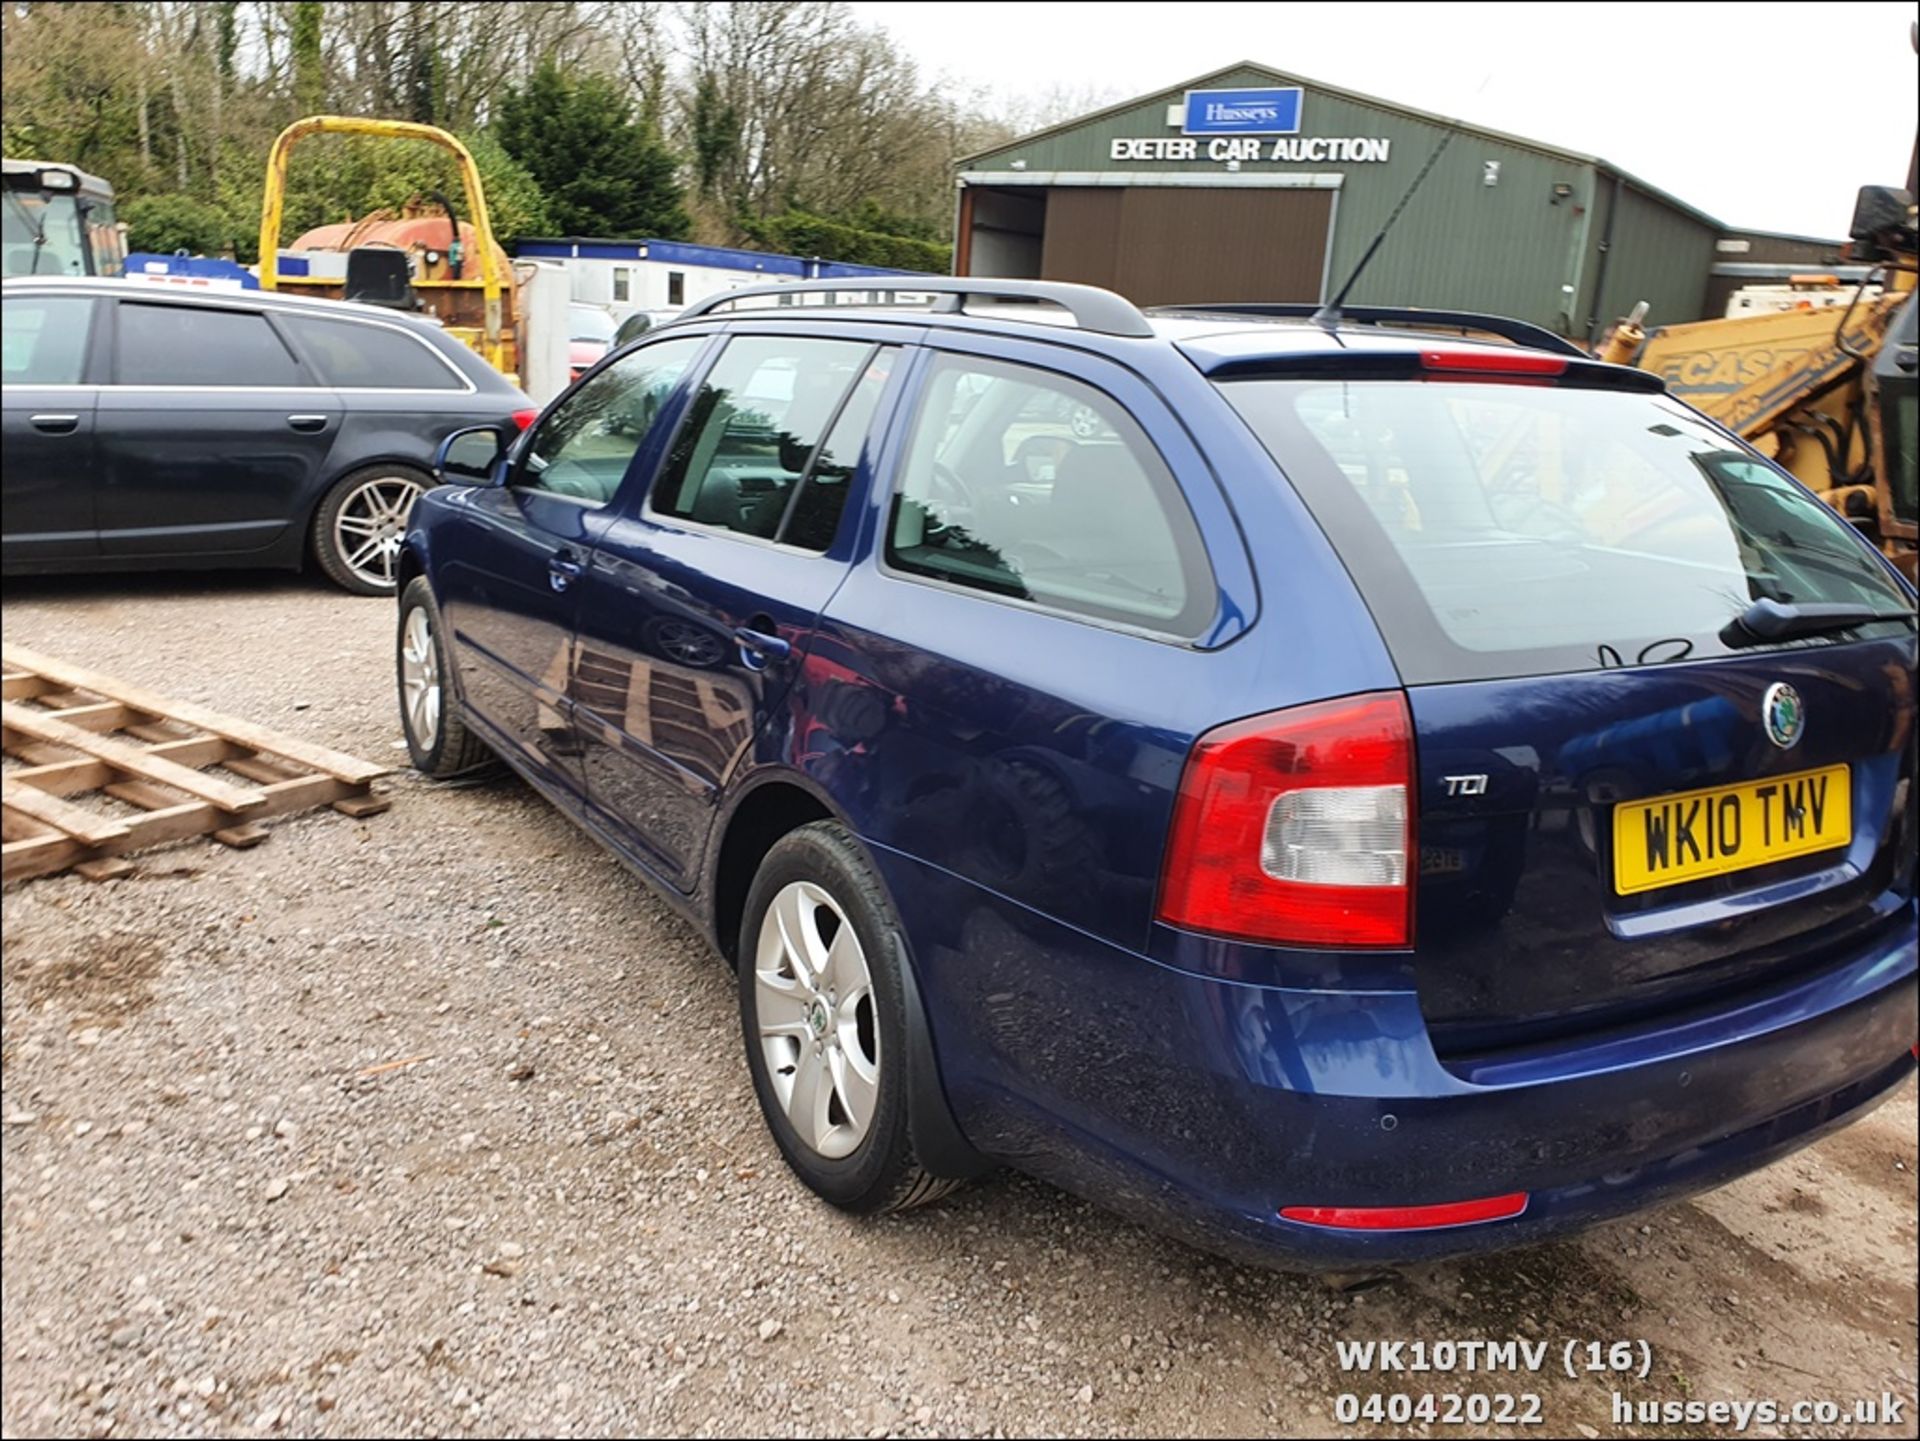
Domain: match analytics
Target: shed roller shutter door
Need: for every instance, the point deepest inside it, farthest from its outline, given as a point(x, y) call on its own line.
point(1167, 245)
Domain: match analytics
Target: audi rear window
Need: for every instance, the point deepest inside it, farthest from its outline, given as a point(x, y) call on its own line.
point(361, 355)
point(1505, 530)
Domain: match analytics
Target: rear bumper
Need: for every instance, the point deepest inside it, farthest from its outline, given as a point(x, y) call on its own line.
point(1557, 1210)
point(1202, 1106)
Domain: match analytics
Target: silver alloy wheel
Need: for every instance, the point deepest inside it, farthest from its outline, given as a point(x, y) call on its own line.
point(420, 679)
point(371, 523)
point(813, 999)
point(688, 643)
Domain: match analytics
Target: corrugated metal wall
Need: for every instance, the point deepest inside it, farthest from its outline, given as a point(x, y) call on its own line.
point(1512, 247)
point(1259, 244)
point(1660, 255)
point(1082, 237)
point(1464, 244)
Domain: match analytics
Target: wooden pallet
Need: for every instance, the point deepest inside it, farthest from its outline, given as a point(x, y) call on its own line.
point(70, 733)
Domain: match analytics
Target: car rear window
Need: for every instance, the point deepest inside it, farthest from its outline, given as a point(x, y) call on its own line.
point(1503, 530)
point(359, 355)
point(589, 323)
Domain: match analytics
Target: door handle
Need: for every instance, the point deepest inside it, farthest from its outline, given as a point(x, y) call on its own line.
point(56, 424)
point(563, 569)
point(307, 422)
point(757, 647)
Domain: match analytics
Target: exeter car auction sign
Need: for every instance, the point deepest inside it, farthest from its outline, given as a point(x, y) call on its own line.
point(1251, 147)
point(1231, 124)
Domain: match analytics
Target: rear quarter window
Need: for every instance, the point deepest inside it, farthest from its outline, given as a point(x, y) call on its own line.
point(359, 355)
point(1503, 530)
point(1034, 487)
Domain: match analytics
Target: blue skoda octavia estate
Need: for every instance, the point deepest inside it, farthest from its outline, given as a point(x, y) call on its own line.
point(1335, 788)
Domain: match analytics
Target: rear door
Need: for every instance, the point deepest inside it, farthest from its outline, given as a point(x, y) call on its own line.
point(213, 433)
point(507, 584)
point(1006, 684)
point(1625, 800)
point(47, 471)
point(701, 599)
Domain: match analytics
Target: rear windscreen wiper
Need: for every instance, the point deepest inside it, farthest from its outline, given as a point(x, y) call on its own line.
point(1768, 619)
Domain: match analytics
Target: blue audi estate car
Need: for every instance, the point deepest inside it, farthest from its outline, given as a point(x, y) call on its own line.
point(1344, 788)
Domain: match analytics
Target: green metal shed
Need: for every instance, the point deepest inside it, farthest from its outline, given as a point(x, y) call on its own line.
point(1270, 186)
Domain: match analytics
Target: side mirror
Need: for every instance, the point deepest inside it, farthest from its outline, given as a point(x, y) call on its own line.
point(471, 456)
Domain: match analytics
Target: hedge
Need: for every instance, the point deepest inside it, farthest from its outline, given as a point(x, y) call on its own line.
point(797, 233)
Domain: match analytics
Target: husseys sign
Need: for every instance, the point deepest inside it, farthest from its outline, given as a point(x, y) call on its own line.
point(1242, 112)
point(1228, 125)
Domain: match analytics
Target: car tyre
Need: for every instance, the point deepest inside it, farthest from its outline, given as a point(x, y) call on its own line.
point(360, 524)
point(438, 740)
point(828, 1050)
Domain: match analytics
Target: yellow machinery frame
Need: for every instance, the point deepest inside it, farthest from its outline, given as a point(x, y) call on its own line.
point(1775, 379)
point(492, 344)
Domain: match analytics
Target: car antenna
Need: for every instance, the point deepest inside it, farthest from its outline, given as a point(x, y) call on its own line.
point(1328, 315)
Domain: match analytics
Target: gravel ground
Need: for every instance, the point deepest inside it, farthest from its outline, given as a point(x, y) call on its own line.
point(563, 1216)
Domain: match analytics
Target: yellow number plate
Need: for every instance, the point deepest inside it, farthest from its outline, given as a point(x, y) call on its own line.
point(1683, 837)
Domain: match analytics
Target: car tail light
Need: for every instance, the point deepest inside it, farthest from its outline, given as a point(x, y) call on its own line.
point(1296, 828)
point(523, 418)
point(1494, 362)
point(1408, 1218)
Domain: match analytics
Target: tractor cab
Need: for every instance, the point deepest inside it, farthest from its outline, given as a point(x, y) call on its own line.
point(58, 220)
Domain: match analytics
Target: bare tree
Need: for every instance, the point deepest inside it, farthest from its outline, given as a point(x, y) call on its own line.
point(820, 113)
point(771, 105)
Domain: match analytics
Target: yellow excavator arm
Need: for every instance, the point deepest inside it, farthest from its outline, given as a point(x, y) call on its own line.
point(1751, 371)
point(1827, 391)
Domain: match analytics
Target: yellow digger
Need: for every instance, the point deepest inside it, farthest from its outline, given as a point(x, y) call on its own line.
point(1830, 393)
point(449, 267)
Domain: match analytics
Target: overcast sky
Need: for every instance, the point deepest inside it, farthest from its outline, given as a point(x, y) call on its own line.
point(1766, 116)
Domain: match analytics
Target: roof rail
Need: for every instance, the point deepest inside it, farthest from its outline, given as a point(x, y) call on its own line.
point(1091, 308)
point(1520, 332)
